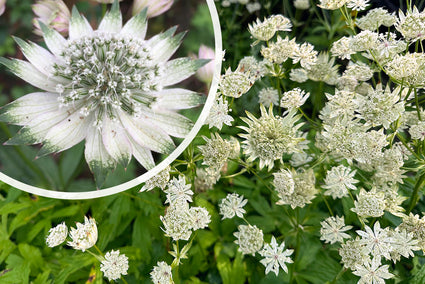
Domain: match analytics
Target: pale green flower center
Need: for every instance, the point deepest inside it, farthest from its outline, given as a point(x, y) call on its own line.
point(107, 73)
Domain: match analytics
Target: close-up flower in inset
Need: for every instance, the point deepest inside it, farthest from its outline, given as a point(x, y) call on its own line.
point(107, 87)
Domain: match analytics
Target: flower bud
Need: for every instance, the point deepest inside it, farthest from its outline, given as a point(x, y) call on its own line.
point(53, 13)
point(2, 6)
point(155, 7)
point(206, 73)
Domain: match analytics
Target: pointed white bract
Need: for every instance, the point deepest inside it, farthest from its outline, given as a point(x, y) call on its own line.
point(105, 87)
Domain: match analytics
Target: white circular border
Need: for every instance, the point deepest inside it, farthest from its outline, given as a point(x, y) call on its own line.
point(137, 181)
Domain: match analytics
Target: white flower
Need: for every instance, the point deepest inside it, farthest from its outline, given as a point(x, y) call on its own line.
point(249, 239)
point(377, 242)
point(160, 180)
point(294, 98)
point(85, 235)
point(338, 180)
point(332, 4)
point(358, 5)
point(219, 114)
point(404, 244)
point(369, 203)
point(235, 84)
point(275, 256)
point(265, 30)
point(270, 136)
point(161, 273)
point(57, 235)
point(371, 272)
point(232, 205)
point(104, 86)
point(178, 222)
point(268, 96)
point(302, 4)
point(305, 54)
point(178, 191)
point(333, 229)
point(216, 151)
point(200, 217)
point(114, 265)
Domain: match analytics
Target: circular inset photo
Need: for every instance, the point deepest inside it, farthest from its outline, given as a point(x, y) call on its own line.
point(98, 98)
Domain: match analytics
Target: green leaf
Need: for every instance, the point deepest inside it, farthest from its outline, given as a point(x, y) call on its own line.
point(73, 264)
point(419, 277)
point(141, 237)
point(16, 274)
point(43, 278)
point(70, 160)
point(32, 255)
point(230, 273)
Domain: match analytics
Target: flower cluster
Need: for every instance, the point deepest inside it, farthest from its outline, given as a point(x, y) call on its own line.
point(83, 237)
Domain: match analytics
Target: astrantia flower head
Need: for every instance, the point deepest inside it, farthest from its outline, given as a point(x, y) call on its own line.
point(235, 84)
point(332, 4)
point(333, 230)
point(219, 114)
point(178, 191)
point(232, 205)
point(338, 180)
point(216, 151)
point(114, 265)
point(372, 272)
point(270, 136)
point(160, 180)
point(412, 24)
point(358, 5)
point(275, 256)
point(369, 204)
point(104, 86)
point(268, 96)
point(294, 98)
point(85, 235)
point(249, 239)
point(57, 235)
point(265, 30)
point(302, 4)
point(161, 274)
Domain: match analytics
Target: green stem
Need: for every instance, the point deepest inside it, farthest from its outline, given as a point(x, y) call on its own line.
point(98, 250)
point(341, 272)
point(327, 204)
point(408, 147)
point(297, 247)
point(417, 104)
point(415, 195)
